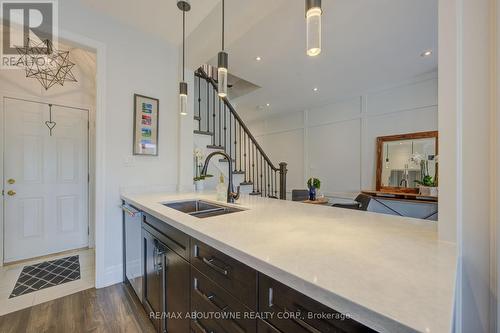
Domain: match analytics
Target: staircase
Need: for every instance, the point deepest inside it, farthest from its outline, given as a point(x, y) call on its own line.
point(216, 119)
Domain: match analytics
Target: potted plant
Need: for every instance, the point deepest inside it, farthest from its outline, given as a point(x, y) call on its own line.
point(428, 185)
point(199, 179)
point(313, 184)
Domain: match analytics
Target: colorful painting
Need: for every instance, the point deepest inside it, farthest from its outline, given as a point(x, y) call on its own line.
point(145, 125)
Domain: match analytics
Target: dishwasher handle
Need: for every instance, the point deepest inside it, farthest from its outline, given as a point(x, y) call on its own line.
point(131, 211)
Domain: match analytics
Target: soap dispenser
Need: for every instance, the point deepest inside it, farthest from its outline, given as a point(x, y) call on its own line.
point(221, 189)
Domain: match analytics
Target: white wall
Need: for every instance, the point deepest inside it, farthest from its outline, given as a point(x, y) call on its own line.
point(337, 142)
point(135, 63)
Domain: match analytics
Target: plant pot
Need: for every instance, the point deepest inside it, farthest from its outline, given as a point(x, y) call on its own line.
point(199, 185)
point(429, 191)
point(312, 193)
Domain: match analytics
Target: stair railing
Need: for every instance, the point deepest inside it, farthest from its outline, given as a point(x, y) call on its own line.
point(218, 118)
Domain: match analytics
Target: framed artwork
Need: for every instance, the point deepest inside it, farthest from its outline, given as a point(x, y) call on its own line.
point(145, 125)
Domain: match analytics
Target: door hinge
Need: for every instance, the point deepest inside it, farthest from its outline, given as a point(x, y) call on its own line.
point(88, 178)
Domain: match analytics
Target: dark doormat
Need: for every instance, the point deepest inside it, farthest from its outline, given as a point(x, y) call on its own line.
point(46, 274)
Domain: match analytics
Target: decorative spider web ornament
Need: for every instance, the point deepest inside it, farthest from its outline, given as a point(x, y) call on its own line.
point(42, 62)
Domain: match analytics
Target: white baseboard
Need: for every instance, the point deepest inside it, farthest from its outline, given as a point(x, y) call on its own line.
point(112, 275)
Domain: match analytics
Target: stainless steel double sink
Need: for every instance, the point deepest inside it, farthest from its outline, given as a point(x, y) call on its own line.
point(201, 209)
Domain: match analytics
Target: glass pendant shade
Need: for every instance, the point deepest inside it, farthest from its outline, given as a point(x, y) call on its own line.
point(313, 22)
point(183, 98)
point(222, 75)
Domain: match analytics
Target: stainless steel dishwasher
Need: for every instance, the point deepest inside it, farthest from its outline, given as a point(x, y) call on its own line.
point(133, 256)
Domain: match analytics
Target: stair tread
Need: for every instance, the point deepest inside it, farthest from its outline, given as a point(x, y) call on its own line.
point(215, 147)
point(203, 132)
point(197, 118)
point(255, 193)
point(246, 183)
point(238, 172)
point(225, 160)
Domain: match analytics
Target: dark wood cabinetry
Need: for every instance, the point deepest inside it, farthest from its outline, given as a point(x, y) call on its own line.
point(166, 283)
point(176, 240)
point(295, 312)
point(185, 276)
point(265, 327)
point(207, 296)
point(237, 278)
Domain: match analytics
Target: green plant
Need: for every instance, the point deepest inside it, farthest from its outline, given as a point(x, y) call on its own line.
point(314, 182)
point(427, 181)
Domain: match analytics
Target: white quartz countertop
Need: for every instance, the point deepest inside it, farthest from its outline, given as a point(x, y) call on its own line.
point(387, 272)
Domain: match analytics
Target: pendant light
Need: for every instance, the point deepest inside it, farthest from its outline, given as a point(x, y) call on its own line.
point(222, 64)
point(313, 22)
point(183, 87)
point(387, 156)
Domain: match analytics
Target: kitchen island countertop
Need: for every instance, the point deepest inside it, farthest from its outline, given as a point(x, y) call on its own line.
point(389, 273)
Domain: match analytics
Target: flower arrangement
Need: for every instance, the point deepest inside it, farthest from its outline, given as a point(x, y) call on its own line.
point(199, 158)
point(313, 184)
point(428, 184)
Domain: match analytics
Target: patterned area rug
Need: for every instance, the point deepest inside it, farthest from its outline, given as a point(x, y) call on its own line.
point(47, 274)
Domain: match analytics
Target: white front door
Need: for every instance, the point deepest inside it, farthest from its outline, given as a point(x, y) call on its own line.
point(45, 180)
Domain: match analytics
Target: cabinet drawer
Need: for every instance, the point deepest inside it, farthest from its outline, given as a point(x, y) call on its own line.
point(237, 278)
point(264, 327)
point(205, 326)
point(205, 294)
point(173, 238)
point(302, 314)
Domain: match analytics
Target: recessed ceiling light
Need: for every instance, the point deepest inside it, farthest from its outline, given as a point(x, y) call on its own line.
point(258, 58)
point(268, 104)
point(315, 89)
point(426, 53)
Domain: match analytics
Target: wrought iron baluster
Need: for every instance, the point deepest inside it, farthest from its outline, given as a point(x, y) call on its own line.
point(199, 102)
point(235, 148)
point(208, 107)
point(213, 115)
point(220, 127)
point(225, 128)
point(230, 143)
point(245, 155)
point(252, 152)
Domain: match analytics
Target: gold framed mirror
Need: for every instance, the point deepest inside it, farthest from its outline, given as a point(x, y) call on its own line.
point(404, 160)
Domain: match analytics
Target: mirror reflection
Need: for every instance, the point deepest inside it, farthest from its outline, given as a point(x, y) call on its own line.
point(407, 162)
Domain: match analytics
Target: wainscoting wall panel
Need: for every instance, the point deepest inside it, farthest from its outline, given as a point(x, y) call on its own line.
point(339, 138)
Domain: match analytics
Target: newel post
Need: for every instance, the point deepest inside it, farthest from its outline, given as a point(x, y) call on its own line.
point(283, 171)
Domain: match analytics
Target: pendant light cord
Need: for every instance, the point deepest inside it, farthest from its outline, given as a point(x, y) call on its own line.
point(222, 25)
point(183, 42)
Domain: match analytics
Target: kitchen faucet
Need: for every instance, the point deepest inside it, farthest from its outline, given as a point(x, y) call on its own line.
point(231, 195)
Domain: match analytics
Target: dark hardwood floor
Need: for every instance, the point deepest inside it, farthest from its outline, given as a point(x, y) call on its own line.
point(111, 309)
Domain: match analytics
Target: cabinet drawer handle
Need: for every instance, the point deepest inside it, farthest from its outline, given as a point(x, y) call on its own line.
point(299, 321)
point(210, 263)
point(305, 325)
point(209, 298)
point(201, 328)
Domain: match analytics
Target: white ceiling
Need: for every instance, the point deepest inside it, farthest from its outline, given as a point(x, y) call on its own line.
point(367, 45)
point(158, 17)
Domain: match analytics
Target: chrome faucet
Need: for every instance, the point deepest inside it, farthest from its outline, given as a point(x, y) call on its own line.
point(231, 195)
point(404, 180)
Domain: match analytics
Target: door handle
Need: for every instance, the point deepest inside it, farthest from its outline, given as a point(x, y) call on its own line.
point(11, 181)
point(11, 193)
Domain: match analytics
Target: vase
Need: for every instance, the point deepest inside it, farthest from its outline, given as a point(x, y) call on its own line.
point(430, 191)
point(199, 185)
point(312, 193)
